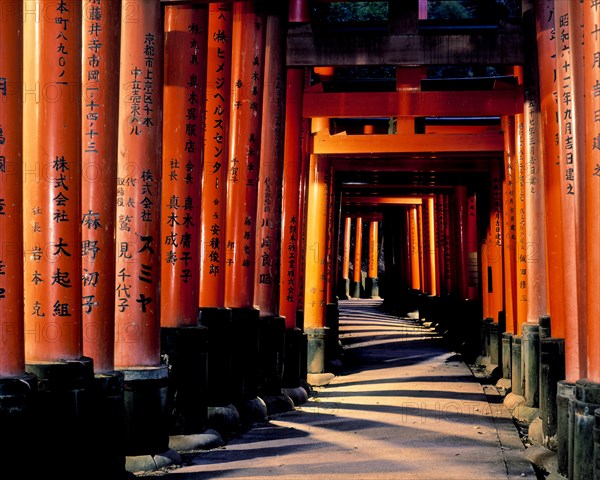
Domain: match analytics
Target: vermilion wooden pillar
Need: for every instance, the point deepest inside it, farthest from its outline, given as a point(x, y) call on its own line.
point(52, 182)
point(449, 248)
point(520, 223)
point(433, 250)
point(183, 129)
point(216, 156)
point(357, 264)
point(248, 40)
point(572, 166)
point(415, 263)
point(290, 214)
point(12, 353)
point(472, 248)
point(299, 11)
point(422, 250)
point(553, 178)
point(509, 214)
point(346, 258)
point(316, 249)
point(460, 248)
point(440, 229)
point(372, 280)
point(494, 245)
point(101, 36)
point(268, 218)
point(138, 190)
point(592, 177)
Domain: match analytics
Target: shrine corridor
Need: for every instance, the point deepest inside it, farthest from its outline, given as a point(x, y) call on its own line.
point(402, 407)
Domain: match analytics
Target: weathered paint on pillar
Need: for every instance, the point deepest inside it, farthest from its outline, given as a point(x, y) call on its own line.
point(216, 156)
point(509, 215)
point(183, 131)
point(357, 264)
point(12, 353)
point(299, 11)
point(100, 79)
point(546, 57)
point(248, 48)
point(520, 223)
point(424, 272)
point(472, 248)
point(440, 229)
point(316, 243)
point(373, 249)
point(535, 202)
point(415, 261)
point(137, 299)
point(572, 166)
point(268, 226)
point(290, 205)
point(331, 236)
point(592, 178)
point(485, 283)
point(52, 180)
point(494, 245)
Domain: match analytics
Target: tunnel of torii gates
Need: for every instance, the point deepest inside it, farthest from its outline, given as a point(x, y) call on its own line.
point(180, 159)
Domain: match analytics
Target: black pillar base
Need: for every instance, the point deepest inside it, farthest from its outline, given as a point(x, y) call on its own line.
point(344, 288)
point(565, 397)
point(516, 375)
point(271, 332)
point(587, 400)
point(317, 350)
point(146, 419)
point(292, 362)
point(219, 347)
point(355, 289)
point(552, 370)
point(372, 287)
point(333, 351)
point(184, 351)
point(530, 354)
point(18, 423)
point(244, 360)
point(507, 339)
point(64, 417)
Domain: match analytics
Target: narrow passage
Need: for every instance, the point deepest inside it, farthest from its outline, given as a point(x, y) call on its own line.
point(404, 407)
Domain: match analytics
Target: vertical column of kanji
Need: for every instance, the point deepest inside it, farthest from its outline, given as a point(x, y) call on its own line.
point(472, 248)
point(183, 133)
point(520, 223)
point(290, 209)
point(331, 237)
point(315, 268)
point(268, 218)
point(12, 354)
point(449, 269)
point(216, 151)
point(15, 385)
point(546, 48)
point(460, 249)
point(509, 226)
point(357, 263)
point(52, 194)
point(440, 243)
point(494, 244)
point(592, 175)
point(572, 164)
point(137, 300)
point(100, 77)
point(372, 280)
point(248, 52)
point(415, 261)
point(245, 137)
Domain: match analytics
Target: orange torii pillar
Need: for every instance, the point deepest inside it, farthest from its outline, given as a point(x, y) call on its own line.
point(460, 248)
point(290, 241)
point(472, 248)
point(248, 52)
point(509, 246)
point(100, 79)
point(315, 301)
point(413, 239)
point(441, 244)
point(432, 254)
point(357, 264)
point(552, 327)
point(16, 385)
point(592, 178)
point(345, 280)
point(449, 267)
point(372, 280)
point(137, 294)
point(52, 231)
point(422, 249)
point(183, 342)
point(268, 222)
point(213, 198)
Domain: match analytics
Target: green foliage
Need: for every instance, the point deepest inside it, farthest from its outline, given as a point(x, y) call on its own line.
point(352, 11)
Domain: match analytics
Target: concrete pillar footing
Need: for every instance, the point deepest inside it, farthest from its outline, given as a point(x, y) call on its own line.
point(152, 463)
point(298, 395)
point(319, 379)
point(223, 418)
point(278, 404)
point(199, 441)
point(252, 410)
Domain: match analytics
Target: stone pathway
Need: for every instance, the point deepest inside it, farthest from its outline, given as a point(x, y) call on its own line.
point(404, 408)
